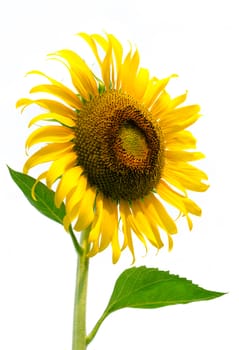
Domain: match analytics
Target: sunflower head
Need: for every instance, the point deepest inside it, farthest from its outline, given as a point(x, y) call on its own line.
point(116, 148)
point(119, 146)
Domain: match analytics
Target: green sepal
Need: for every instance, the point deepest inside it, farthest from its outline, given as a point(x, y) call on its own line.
point(101, 88)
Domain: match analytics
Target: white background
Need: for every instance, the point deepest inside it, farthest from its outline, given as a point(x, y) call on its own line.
point(199, 41)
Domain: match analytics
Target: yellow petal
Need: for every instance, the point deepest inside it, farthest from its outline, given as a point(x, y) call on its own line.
point(106, 65)
point(69, 180)
point(48, 153)
point(158, 212)
point(73, 199)
point(124, 71)
point(128, 71)
point(172, 181)
point(171, 196)
point(118, 54)
point(57, 89)
point(57, 134)
point(68, 121)
point(192, 207)
point(164, 105)
point(137, 231)
point(180, 140)
point(156, 233)
point(85, 211)
point(170, 242)
point(101, 41)
point(23, 102)
point(125, 214)
point(151, 222)
point(82, 76)
point(187, 169)
point(88, 38)
point(188, 182)
point(180, 125)
point(39, 178)
point(74, 194)
point(106, 69)
point(59, 167)
point(155, 87)
point(96, 224)
point(50, 105)
point(161, 105)
point(133, 69)
point(116, 251)
point(110, 228)
point(182, 116)
point(71, 99)
point(183, 175)
point(141, 223)
point(141, 83)
point(178, 100)
point(183, 156)
point(190, 223)
point(94, 249)
point(105, 209)
point(183, 204)
point(109, 222)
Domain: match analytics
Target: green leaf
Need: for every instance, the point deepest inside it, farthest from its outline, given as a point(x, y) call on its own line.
point(148, 288)
point(142, 287)
point(44, 202)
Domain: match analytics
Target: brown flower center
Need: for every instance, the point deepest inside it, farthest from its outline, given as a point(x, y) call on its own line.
point(119, 145)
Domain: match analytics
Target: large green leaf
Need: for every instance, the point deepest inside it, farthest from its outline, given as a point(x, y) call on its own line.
point(44, 201)
point(147, 288)
point(142, 287)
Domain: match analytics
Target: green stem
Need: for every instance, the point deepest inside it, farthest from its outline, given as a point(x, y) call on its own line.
point(79, 323)
point(92, 334)
point(76, 244)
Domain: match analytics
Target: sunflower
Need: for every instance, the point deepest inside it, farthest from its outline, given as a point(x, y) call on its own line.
point(116, 147)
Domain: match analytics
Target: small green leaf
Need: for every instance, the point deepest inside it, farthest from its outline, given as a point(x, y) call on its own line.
point(142, 287)
point(44, 202)
point(148, 288)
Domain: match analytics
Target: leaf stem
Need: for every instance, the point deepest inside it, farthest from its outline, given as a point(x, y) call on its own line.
point(92, 334)
point(79, 321)
point(76, 244)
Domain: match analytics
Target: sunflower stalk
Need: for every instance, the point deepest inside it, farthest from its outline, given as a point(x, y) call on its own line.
point(79, 322)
